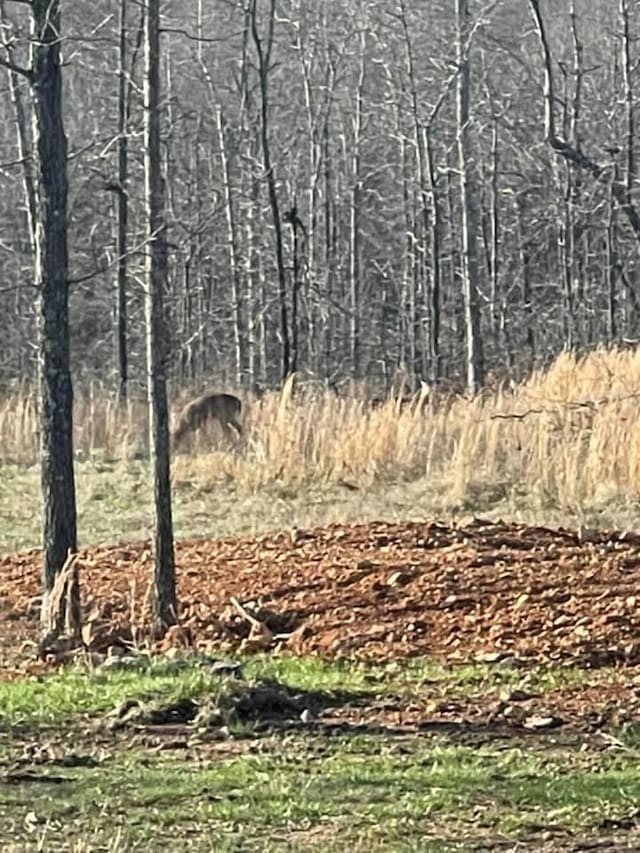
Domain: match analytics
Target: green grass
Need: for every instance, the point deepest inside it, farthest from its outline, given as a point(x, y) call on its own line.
point(42, 701)
point(299, 790)
point(48, 700)
point(333, 793)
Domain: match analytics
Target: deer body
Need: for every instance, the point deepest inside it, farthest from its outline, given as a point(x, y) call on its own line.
point(226, 409)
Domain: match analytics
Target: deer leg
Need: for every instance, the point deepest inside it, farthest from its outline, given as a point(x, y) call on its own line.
point(232, 429)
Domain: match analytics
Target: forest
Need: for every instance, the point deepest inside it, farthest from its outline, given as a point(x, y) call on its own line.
point(339, 199)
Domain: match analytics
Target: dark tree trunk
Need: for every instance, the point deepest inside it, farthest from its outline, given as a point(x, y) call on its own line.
point(528, 310)
point(52, 277)
point(165, 602)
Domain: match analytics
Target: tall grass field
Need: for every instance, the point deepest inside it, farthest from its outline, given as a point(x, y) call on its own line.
point(566, 438)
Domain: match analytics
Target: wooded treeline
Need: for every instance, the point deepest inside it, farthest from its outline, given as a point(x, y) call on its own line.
point(331, 169)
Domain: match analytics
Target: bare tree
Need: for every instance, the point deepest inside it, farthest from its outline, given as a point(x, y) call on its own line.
point(575, 153)
point(165, 601)
point(23, 140)
point(396, 158)
point(418, 234)
point(123, 208)
point(470, 269)
point(263, 49)
point(121, 188)
point(52, 278)
point(355, 201)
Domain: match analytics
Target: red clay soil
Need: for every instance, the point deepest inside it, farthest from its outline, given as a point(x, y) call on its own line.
point(482, 591)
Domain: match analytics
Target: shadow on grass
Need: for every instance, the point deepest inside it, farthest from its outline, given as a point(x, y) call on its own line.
point(264, 707)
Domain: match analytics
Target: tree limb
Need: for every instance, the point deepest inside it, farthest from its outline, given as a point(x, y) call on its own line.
point(18, 69)
point(571, 153)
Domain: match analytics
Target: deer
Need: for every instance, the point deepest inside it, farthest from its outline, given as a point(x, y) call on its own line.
point(226, 409)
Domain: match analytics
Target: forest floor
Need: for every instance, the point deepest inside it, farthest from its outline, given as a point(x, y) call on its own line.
point(402, 686)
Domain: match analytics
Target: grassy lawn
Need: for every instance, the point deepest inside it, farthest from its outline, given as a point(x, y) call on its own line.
point(290, 783)
point(114, 504)
point(334, 794)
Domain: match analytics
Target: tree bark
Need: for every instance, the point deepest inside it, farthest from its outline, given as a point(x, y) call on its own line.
point(165, 602)
point(52, 277)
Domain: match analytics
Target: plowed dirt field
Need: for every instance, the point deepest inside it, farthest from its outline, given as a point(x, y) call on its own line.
point(481, 591)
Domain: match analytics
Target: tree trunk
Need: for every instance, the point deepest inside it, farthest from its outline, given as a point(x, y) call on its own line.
point(52, 277)
point(612, 267)
point(420, 233)
point(24, 145)
point(470, 269)
point(24, 308)
point(264, 60)
point(123, 212)
point(494, 253)
point(234, 254)
point(330, 246)
point(528, 312)
point(435, 231)
point(296, 225)
point(165, 603)
point(354, 217)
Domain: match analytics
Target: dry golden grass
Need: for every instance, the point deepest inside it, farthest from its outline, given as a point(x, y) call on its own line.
point(564, 437)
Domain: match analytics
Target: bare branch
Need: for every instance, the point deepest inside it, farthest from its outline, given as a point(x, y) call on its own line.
point(201, 39)
point(591, 405)
point(574, 154)
point(18, 69)
point(96, 272)
point(515, 416)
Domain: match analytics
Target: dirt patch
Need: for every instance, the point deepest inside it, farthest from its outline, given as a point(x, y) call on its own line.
point(485, 591)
